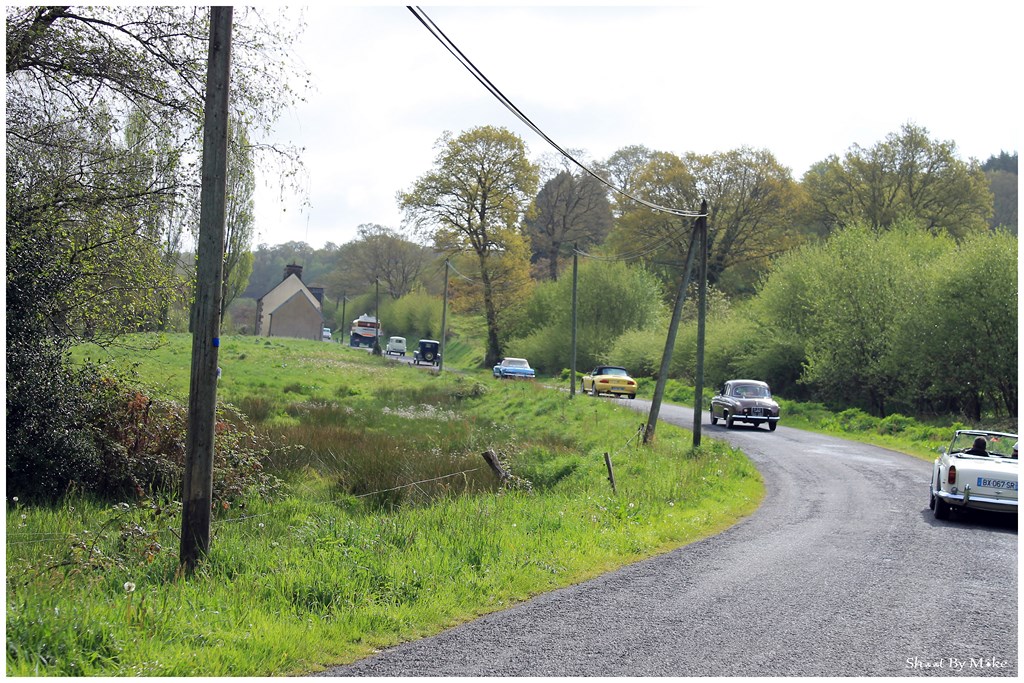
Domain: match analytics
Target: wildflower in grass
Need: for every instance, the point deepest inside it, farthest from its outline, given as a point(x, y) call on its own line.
point(129, 587)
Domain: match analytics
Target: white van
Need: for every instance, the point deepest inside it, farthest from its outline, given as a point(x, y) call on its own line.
point(396, 345)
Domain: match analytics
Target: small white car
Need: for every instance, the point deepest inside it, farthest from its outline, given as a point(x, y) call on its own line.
point(326, 334)
point(396, 345)
point(978, 470)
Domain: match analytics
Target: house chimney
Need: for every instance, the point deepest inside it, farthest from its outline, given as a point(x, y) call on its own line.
point(292, 269)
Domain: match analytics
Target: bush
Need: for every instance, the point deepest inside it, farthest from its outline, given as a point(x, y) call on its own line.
point(854, 420)
point(895, 424)
point(414, 316)
point(639, 351)
point(122, 443)
point(49, 442)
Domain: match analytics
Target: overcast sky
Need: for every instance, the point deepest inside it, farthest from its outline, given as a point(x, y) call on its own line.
point(801, 79)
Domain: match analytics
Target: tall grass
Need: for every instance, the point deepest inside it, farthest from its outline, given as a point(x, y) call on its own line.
point(393, 526)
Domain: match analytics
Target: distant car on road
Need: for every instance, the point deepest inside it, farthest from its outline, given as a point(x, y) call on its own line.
point(608, 379)
point(326, 334)
point(978, 470)
point(745, 400)
point(427, 351)
point(514, 368)
point(396, 345)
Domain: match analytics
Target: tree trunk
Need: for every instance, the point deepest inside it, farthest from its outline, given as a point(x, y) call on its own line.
point(493, 355)
point(553, 261)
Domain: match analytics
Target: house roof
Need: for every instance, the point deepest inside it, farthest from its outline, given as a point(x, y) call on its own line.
point(285, 291)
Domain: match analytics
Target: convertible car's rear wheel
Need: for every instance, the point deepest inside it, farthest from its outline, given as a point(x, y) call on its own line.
point(593, 389)
point(931, 498)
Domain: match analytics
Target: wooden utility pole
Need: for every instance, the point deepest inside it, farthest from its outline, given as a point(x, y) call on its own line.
point(572, 356)
point(670, 341)
point(344, 319)
point(444, 318)
point(376, 314)
point(197, 495)
point(702, 307)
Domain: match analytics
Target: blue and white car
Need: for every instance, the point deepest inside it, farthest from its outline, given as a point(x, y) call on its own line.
point(514, 368)
point(977, 471)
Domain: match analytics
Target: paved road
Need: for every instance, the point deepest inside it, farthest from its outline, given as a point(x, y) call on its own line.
point(843, 571)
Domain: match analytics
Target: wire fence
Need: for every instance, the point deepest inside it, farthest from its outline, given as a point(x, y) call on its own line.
point(28, 537)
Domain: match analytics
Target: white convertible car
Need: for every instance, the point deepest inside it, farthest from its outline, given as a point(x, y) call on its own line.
point(978, 470)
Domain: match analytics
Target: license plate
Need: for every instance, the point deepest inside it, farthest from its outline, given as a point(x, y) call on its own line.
point(997, 484)
point(757, 412)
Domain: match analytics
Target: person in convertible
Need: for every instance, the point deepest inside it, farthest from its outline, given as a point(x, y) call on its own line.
point(980, 447)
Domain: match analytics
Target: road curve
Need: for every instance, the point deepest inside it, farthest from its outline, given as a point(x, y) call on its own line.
point(842, 571)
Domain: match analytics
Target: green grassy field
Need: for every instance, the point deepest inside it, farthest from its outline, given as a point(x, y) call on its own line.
point(391, 526)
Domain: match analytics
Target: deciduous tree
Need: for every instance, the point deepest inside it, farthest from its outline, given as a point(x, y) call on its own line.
point(571, 208)
point(383, 253)
point(750, 196)
point(240, 219)
point(472, 202)
point(104, 105)
point(908, 175)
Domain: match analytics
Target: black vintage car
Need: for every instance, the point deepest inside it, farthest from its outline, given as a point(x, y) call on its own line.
point(428, 351)
point(745, 400)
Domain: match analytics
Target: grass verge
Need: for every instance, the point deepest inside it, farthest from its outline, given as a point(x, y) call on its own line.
point(392, 528)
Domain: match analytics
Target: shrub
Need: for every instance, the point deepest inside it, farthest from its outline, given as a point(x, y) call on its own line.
point(855, 420)
point(639, 351)
point(123, 443)
point(895, 424)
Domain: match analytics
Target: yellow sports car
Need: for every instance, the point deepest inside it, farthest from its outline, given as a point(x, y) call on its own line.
point(608, 379)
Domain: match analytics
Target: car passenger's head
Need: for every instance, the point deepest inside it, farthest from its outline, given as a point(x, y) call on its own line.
point(980, 444)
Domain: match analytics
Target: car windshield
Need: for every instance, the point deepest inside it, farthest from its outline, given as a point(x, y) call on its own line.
point(751, 391)
point(995, 444)
point(515, 363)
point(613, 371)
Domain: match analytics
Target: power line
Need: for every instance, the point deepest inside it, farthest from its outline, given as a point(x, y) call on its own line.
point(628, 256)
point(464, 277)
point(429, 24)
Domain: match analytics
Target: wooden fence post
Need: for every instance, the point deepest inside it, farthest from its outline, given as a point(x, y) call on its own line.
point(611, 473)
point(492, 460)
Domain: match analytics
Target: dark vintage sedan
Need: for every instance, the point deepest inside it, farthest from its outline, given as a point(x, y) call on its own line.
point(745, 400)
point(428, 351)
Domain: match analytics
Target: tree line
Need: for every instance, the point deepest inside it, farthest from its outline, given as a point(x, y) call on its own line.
point(864, 246)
